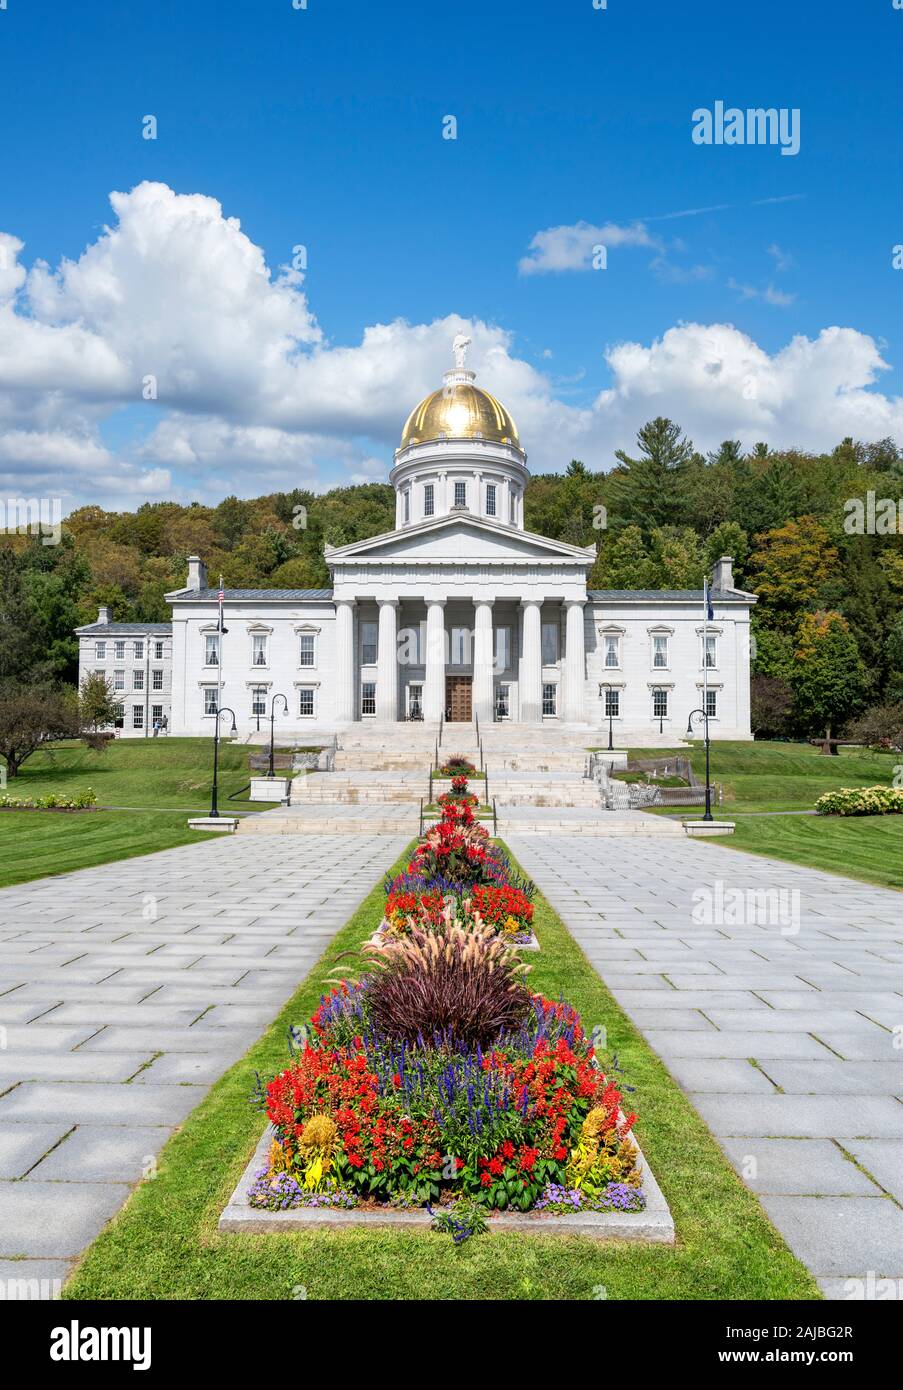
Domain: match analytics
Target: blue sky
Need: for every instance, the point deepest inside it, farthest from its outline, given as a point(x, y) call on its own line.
point(323, 127)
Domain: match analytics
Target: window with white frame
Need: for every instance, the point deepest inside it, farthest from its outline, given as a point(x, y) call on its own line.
point(306, 701)
point(490, 499)
point(100, 651)
point(158, 651)
point(307, 649)
point(550, 699)
point(211, 649)
point(659, 650)
point(512, 507)
point(406, 498)
point(612, 644)
point(612, 704)
point(118, 716)
point(119, 651)
point(139, 651)
point(415, 700)
point(429, 499)
point(503, 700)
point(157, 678)
point(156, 714)
point(258, 701)
point(138, 680)
point(549, 644)
point(137, 716)
point(502, 648)
point(711, 703)
point(368, 697)
point(660, 704)
point(119, 680)
point(369, 643)
point(210, 693)
point(460, 494)
point(710, 651)
point(258, 649)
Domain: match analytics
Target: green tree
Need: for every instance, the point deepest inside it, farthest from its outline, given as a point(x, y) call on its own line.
point(828, 677)
point(789, 568)
point(96, 701)
point(647, 490)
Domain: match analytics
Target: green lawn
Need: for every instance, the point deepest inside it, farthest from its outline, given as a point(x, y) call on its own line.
point(165, 779)
point(867, 847)
point(164, 1244)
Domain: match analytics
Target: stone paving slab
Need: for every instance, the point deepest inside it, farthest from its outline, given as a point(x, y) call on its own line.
point(804, 979)
point(161, 960)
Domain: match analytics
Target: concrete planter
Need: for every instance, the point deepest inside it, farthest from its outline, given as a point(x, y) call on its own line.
point(269, 788)
point(653, 1225)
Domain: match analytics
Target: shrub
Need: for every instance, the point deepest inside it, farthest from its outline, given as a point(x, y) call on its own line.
point(453, 986)
point(52, 801)
point(457, 765)
point(861, 801)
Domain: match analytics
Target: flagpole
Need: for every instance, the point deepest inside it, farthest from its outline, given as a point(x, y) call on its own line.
point(219, 675)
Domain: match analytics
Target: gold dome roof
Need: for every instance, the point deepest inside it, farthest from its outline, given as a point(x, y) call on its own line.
point(460, 410)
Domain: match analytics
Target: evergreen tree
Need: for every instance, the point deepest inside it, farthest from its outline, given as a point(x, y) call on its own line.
point(828, 677)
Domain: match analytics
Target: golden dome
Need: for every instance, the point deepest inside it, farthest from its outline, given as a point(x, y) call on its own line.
point(460, 410)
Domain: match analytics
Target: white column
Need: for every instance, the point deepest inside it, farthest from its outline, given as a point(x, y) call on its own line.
point(434, 689)
point(483, 660)
point(575, 665)
point(344, 660)
point(387, 662)
point(531, 664)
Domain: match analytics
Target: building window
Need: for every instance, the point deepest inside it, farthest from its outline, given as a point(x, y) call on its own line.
point(512, 507)
point(612, 651)
point(118, 716)
point(137, 680)
point(119, 651)
point(156, 714)
point(368, 697)
point(258, 700)
point(415, 701)
point(503, 700)
point(490, 499)
point(258, 649)
point(659, 704)
point(139, 651)
point(100, 651)
point(157, 679)
point(710, 658)
point(612, 704)
point(211, 649)
point(369, 639)
point(550, 699)
point(119, 680)
point(407, 504)
point(549, 644)
point(210, 694)
point(137, 716)
point(306, 702)
point(460, 494)
point(158, 651)
point(711, 703)
point(307, 655)
point(429, 499)
point(659, 651)
point(502, 649)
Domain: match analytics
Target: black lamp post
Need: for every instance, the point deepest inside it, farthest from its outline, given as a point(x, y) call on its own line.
point(708, 784)
point(272, 725)
point(606, 685)
point(214, 811)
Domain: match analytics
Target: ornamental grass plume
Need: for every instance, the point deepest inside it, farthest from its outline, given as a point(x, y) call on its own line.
point(454, 986)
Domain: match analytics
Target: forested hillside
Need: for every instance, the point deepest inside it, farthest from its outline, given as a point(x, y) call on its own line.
point(831, 594)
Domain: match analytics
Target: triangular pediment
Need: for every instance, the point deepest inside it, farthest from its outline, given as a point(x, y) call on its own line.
point(459, 538)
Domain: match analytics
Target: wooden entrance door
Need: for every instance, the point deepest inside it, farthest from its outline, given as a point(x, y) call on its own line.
point(458, 699)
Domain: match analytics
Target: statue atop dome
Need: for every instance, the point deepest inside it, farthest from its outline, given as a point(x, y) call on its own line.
point(459, 348)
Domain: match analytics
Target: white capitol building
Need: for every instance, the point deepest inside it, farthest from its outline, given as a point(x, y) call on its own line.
point(459, 612)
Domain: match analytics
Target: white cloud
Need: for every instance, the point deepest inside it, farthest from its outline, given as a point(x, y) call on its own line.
point(780, 298)
point(571, 248)
point(252, 397)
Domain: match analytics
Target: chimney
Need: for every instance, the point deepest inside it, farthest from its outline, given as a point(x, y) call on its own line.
point(723, 573)
point(197, 572)
point(103, 613)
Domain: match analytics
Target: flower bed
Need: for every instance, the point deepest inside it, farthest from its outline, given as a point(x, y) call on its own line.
point(456, 766)
point(83, 801)
point(861, 801)
point(459, 794)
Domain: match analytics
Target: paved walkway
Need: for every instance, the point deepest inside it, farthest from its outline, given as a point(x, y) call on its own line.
point(125, 992)
point(774, 994)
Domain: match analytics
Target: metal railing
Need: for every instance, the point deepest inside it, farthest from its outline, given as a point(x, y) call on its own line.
point(420, 828)
point(495, 819)
point(439, 739)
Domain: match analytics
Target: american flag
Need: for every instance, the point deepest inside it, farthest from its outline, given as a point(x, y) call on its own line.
point(221, 595)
